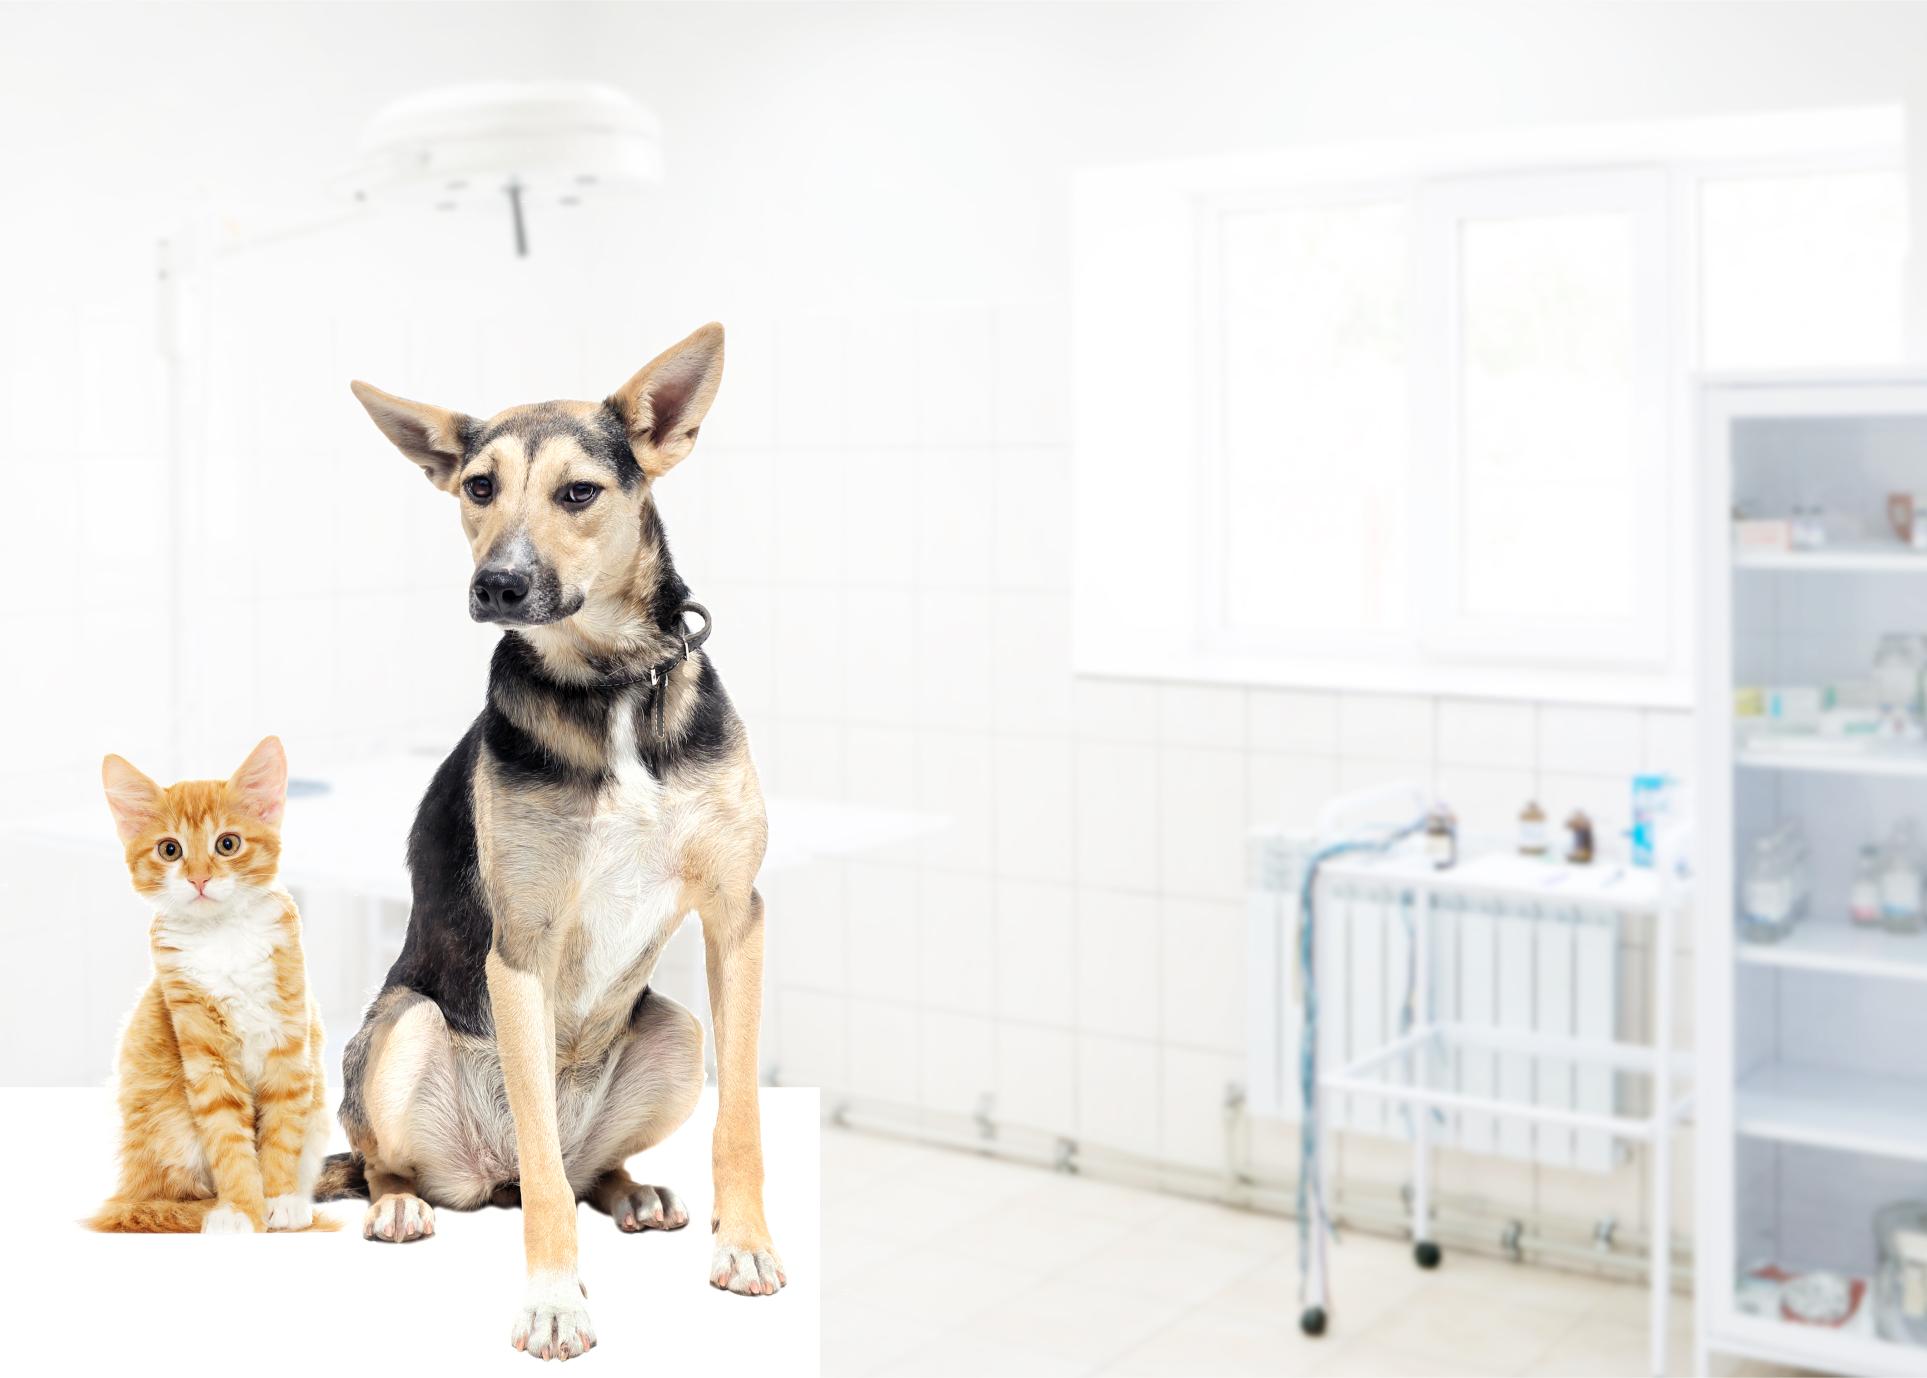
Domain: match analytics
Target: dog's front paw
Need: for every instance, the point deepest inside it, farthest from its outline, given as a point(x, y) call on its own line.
point(291, 1212)
point(553, 1321)
point(226, 1219)
point(398, 1218)
point(746, 1264)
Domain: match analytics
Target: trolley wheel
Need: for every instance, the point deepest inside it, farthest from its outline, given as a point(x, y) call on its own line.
point(1313, 1320)
point(1426, 1253)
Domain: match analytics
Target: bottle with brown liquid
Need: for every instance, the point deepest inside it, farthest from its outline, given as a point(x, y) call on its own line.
point(1532, 830)
point(1441, 838)
point(1579, 838)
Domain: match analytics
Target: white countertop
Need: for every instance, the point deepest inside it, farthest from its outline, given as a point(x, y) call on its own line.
point(354, 836)
point(1606, 884)
point(335, 1304)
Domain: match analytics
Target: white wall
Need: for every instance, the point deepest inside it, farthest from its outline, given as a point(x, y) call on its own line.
point(874, 198)
point(819, 155)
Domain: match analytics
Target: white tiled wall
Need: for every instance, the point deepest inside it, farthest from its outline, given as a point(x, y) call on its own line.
point(1069, 948)
point(878, 518)
point(87, 511)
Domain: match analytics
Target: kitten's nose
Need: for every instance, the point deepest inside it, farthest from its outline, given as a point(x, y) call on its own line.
point(498, 592)
point(200, 885)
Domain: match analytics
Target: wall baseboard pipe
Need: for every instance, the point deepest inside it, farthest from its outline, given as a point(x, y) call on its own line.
point(1466, 1224)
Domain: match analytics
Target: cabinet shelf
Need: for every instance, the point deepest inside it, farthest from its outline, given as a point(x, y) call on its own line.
point(1842, 949)
point(1818, 1347)
point(1794, 1157)
point(1853, 1112)
point(1834, 756)
point(1870, 557)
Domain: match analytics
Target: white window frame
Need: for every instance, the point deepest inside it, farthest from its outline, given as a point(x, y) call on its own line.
point(1436, 630)
point(1448, 632)
point(1216, 632)
point(1147, 477)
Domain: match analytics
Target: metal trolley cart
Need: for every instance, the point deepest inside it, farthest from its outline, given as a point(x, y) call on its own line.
point(1419, 1071)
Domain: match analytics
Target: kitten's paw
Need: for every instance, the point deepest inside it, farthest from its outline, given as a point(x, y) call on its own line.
point(291, 1212)
point(553, 1321)
point(398, 1218)
point(225, 1219)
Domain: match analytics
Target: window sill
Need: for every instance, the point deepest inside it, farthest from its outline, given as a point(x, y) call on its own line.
point(1534, 684)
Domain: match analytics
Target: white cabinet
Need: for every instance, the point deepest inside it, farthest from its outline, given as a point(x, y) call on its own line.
point(1812, 1051)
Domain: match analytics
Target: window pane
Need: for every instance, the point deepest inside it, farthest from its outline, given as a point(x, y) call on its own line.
point(1802, 271)
point(1546, 418)
point(1314, 416)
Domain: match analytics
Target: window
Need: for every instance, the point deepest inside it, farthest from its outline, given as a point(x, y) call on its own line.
point(1427, 419)
point(1551, 435)
point(1316, 434)
point(1548, 417)
point(1439, 420)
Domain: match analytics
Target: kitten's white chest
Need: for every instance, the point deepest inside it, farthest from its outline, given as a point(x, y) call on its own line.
point(233, 962)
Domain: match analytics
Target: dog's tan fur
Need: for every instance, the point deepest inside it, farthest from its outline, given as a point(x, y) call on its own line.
point(588, 1080)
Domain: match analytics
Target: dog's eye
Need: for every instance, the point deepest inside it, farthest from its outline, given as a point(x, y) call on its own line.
point(227, 844)
point(579, 494)
point(480, 488)
point(169, 849)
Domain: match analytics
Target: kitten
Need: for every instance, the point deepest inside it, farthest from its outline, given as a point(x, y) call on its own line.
point(222, 1095)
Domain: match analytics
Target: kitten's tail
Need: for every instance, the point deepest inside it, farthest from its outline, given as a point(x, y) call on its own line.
point(151, 1217)
point(344, 1177)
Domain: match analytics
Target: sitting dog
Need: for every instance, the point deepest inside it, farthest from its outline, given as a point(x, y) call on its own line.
point(516, 1051)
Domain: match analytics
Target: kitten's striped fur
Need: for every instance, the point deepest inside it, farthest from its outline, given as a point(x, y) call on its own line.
point(223, 1100)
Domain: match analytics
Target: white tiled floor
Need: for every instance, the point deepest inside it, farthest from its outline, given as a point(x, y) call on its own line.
point(937, 1262)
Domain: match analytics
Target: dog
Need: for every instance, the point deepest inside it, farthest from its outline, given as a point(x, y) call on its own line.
point(516, 1052)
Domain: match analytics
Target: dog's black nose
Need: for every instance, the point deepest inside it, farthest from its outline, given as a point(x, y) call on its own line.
point(499, 591)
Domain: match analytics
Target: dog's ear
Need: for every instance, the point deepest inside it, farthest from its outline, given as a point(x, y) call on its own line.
point(433, 437)
point(665, 403)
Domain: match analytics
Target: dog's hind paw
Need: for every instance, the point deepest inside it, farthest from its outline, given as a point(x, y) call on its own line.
point(398, 1218)
point(636, 1207)
point(553, 1322)
point(748, 1272)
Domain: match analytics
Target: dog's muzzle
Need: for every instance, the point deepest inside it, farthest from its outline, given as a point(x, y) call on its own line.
point(500, 595)
point(520, 596)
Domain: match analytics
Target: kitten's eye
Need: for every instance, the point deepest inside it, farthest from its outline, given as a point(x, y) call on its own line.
point(578, 494)
point(480, 488)
point(170, 850)
point(227, 844)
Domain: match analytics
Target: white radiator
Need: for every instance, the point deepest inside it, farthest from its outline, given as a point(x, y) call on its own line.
point(1495, 965)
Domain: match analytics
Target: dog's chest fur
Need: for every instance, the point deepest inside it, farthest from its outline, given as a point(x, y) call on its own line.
point(631, 874)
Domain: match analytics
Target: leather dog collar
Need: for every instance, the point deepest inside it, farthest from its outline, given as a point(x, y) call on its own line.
point(658, 680)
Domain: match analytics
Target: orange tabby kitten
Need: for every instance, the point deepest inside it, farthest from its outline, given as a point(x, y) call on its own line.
point(222, 1096)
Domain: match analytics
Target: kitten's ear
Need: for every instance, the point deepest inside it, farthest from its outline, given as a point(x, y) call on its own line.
point(662, 406)
point(262, 781)
point(135, 799)
point(433, 437)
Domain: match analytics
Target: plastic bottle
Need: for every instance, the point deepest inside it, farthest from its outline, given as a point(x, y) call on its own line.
point(1863, 900)
point(1767, 905)
point(1900, 883)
